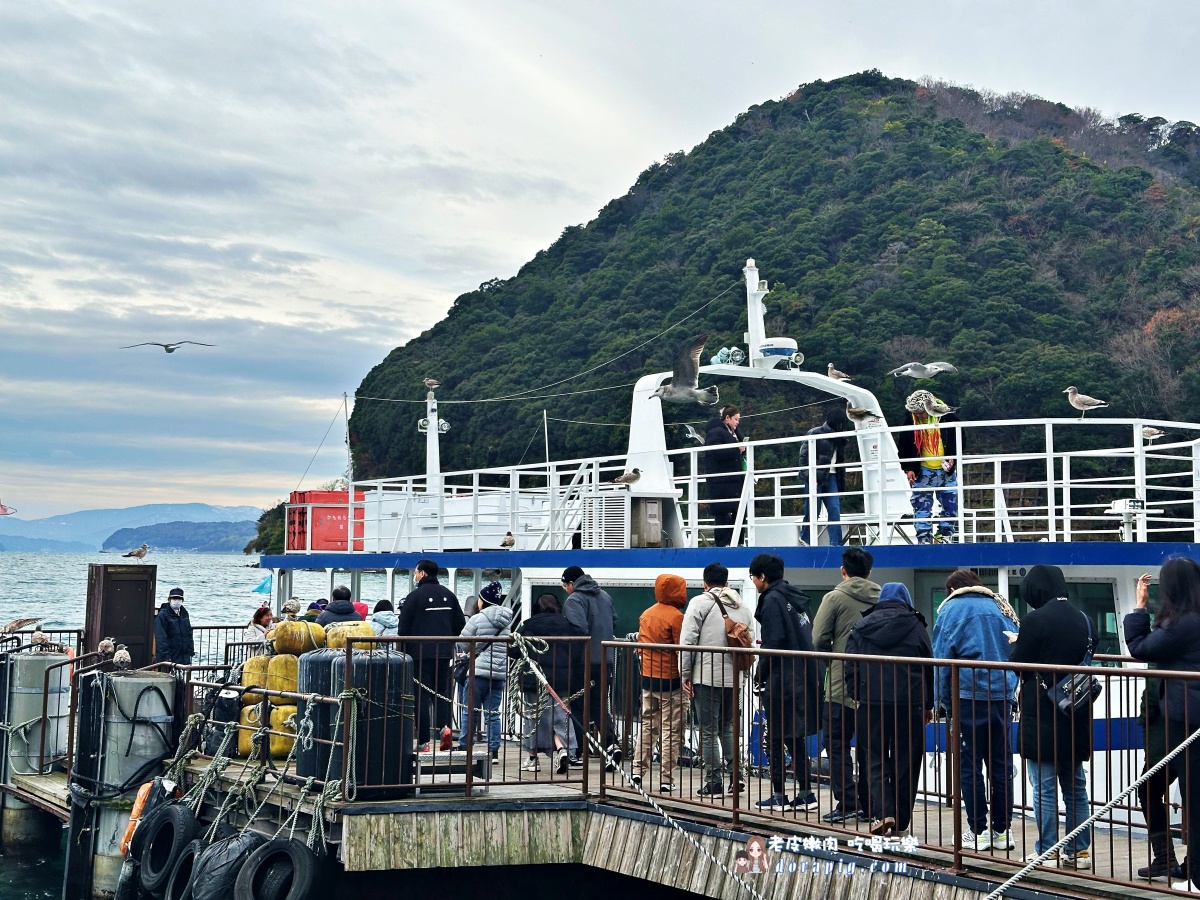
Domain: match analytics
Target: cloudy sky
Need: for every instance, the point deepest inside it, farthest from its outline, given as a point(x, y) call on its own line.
point(309, 185)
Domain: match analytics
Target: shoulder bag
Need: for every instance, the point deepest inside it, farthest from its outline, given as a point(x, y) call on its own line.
point(738, 637)
point(1076, 693)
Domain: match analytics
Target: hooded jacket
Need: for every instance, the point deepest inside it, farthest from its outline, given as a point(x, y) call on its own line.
point(891, 628)
point(826, 448)
point(562, 661)
point(491, 621)
point(431, 610)
point(173, 636)
point(338, 611)
point(704, 626)
point(590, 610)
point(971, 626)
point(1174, 645)
point(840, 610)
point(385, 622)
point(1052, 633)
point(662, 623)
point(785, 623)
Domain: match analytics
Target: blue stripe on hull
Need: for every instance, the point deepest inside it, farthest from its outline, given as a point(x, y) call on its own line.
point(1108, 735)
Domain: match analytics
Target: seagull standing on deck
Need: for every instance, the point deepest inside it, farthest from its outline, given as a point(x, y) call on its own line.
point(628, 478)
point(922, 370)
point(1083, 402)
point(684, 386)
point(836, 375)
point(508, 540)
point(170, 348)
point(139, 554)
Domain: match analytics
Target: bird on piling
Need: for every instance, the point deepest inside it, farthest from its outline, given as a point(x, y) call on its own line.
point(836, 375)
point(1150, 433)
point(431, 383)
point(121, 659)
point(922, 370)
point(38, 638)
point(935, 408)
point(858, 414)
point(508, 540)
point(692, 434)
point(628, 478)
point(170, 348)
point(1083, 402)
point(684, 386)
point(139, 554)
point(106, 646)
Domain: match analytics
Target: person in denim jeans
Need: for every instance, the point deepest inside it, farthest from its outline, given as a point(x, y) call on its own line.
point(927, 456)
point(971, 624)
point(1054, 745)
point(830, 480)
point(491, 663)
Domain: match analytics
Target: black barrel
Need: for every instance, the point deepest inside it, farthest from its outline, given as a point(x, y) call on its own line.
point(386, 730)
point(316, 677)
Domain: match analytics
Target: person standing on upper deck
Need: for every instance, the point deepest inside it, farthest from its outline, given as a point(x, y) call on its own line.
point(927, 456)
point(724, 468)
point(973, 623)
point(840, 610)
point(791, 686)
point(431, 610)
point(173, 631)
point(830, 477)
point(590, 610)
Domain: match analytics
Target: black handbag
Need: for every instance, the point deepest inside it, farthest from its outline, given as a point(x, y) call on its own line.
point(1077, 692)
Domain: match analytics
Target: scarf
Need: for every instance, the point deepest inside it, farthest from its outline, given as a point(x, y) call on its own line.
point(1004, 606)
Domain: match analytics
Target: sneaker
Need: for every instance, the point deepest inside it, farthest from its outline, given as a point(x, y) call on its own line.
point(1186, 886)
point(561, 763)
point(1081, 859)
point(636, 779)
point(1162, 868)
point(1002, 840)
point(775, 801)
point(924, 539)
point(977, 842)
point(713, 789)
point(575, 762)
point(447, 738)
point(1051, 860)
point(531, 764)
point(666, 787)
point(614, 751)
point(884, 826)
point(495, 757)
point(805, 802)
point(838, 814)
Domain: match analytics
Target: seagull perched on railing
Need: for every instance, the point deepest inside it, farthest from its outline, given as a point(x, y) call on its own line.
point(121, 659)
point(684, 386)
point(1150, 433)
point(628, 478)
point(922, 370)
point(858, 414)
point(836, 375)
point(170, 348)
point(431, 383)
point(1083, 402)
point(508, 540)
point(106, 646)
point(139, 554)
point(692, 434)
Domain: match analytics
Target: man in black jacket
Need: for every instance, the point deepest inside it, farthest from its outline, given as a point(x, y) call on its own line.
point(830, 479)
point(340, 608)
point(589, 609)
point(723, 467)
point(173, 631)
point(791, 686)
point(431, 610)
point(895, 702)
point(928, 457)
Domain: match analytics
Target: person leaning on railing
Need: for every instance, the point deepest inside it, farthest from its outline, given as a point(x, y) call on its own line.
point(973, 623)
point(1174, 643)
point(1055, 745)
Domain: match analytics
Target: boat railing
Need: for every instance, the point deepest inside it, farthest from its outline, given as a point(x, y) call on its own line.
point(1015, 480)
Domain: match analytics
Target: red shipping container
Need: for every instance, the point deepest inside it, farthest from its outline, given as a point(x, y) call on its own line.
point(326, 521)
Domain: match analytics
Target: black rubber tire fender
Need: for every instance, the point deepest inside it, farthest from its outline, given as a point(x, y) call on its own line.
point(179, 885)
point(216, 869)
point(278, 870)
point(172, 831)
point(145, 825)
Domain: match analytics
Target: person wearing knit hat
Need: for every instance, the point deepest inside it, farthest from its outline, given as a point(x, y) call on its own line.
point(589, 609)
point(663, 700)
point(490, 664)
point(928, 456)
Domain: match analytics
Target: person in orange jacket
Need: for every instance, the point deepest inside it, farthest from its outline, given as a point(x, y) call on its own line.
point(663, 699)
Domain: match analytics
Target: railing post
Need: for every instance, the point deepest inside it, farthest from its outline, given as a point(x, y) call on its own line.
point(514, 499)
point(953, 751)
point(960, 480)
point(735, 764)
point(998, 502)
point(475, 511)
point(748, 495)
point(1066, 489)
point(812, 506)
point(1196, 491)
point(884, 535)
point(468, 715)
point(694, 498)
point(1051, 528)
point(1140, 490)
point(378, 518)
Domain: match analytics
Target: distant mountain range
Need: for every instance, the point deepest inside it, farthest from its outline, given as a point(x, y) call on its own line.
point(87, 530)
point(198, 537)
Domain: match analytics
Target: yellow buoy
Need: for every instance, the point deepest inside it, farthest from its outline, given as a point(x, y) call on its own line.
point(336, 634)
point(282, 746)
point(250, 722)
point(254, 674)
point(283, 674)
point(298, 637)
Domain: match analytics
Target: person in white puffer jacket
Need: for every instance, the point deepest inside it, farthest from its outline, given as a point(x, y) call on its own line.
point(709, 677)
point(491, 663)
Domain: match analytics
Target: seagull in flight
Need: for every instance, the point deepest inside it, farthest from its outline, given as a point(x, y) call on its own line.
point(922, 370)
point(1083, 402)
point(684, 386)
point(170, 348)
point(692, 434)
point(836, 375)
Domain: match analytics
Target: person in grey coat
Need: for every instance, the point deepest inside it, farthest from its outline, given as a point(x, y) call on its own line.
point(710, 677)
point(491, 660)
point(589, 609)
point(384, 620)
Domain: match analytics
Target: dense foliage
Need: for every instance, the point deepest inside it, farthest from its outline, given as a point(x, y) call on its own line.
point(889, 230)
point(200, 537)
point(269, 532)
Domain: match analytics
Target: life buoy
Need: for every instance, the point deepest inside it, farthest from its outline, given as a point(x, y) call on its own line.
point(139, 804)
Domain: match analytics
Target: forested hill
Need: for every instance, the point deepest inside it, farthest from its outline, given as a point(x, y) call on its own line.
point(1031, 245)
